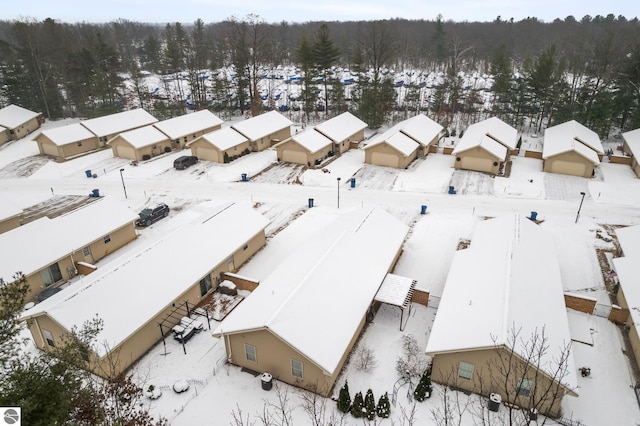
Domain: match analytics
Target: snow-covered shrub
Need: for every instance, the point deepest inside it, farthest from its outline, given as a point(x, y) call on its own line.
point(181, 386)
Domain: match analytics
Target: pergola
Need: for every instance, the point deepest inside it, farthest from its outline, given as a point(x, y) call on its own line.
point(397, 291)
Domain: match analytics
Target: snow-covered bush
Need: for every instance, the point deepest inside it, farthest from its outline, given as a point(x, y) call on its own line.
point(181, 386)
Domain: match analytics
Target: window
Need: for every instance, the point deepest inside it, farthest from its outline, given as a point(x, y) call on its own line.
point(107, 238)
point(86, 252)
point(194, 136)
point(205, 285)
point(246, 246)
point(185, 139)
point(524, 387)
point(51, 274)
point(48, 337)
point(79, 143)
point(465, 370)
point(297, 369)
point(250, 352)
point(154, 146)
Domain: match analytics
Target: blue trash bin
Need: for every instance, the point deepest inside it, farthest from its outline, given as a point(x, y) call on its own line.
point(95, 193)
point(310, 202)
point(353, 182)
point(88, 173)
point(452, 190)
point(244, 177)
point(423, 209)
point(534, 215)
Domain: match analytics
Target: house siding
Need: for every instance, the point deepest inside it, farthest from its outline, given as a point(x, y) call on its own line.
point(140, 152)
point(24, 129)
point(9, 223)
point(477, 159)
point(445, 371)
point(567, 163)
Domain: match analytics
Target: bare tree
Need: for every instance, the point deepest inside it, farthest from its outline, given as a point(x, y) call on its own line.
point(239, 419)
point(314, 405)
point(365, 358)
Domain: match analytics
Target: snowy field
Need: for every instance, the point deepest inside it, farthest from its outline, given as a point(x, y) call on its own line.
point(282, 192)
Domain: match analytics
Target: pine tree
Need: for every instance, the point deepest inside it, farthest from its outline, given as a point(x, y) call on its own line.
point(370, 405)
point(358, 405)
point(384, 407)
point(424, 388)
point(344, 399)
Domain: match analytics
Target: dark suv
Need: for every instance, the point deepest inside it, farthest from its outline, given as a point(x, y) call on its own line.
point(185, 161)
point(151, 214)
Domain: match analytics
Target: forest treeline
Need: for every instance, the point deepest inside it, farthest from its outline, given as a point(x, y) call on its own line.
point(587, 69)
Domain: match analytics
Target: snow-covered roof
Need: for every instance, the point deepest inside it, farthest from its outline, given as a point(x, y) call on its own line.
point(312, 140)
point(502, 281)
point(8, 209)
point(629, 239)
point(223, 139)
point(119, 122)
point(485, 142)
point(632, 138)
point(144, 136)
point(342, 126)
point(13, 116)
point(395, 138)
point(321, 292)
point(188, 124)
point(37, 244)
point(490, 134)
point(421, 128)
point(68, 134)
point(146, 283)
point(572, 136)
point(262, 125)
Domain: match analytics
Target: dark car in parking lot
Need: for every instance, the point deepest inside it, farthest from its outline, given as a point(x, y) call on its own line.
point(151, 214)
point(185, 161)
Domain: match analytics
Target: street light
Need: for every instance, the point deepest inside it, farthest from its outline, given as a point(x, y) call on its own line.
point(578, 215)
point(338, 192)
point(123, 187)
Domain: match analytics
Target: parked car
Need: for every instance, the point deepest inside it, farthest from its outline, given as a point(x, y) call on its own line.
point(151, 214)
point(185, 161)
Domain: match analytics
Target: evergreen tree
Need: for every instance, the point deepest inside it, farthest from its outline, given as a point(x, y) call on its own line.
point(344, 399)
point(370, 405)
point(325, 55)
point(304, 58)
point(424, 388)
point(384, 407)
point(358, 406)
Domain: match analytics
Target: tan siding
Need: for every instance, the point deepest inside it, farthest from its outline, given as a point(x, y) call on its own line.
point(25, 128)
point(100, 249)
point(579, 303)
point(569, 163)
point(445, 371)
point(72, 149)
point(9, 223)
point(139, 152)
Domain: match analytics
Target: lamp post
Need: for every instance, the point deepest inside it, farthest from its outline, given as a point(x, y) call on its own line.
point(578, 215)
point(338, 192)
point(123, 187)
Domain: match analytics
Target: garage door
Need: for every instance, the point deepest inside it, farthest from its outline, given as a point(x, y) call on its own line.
point(206, 154)
point(125, 152)
point(384, 159)
point(475, 163)
point(292, 156)
point(50, 149)
point(569, 168)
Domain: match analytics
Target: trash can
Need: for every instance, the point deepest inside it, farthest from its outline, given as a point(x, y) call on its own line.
point(533, 413)
point(353, 182)
point(244, 177)
point(310, 202)
point(95, 175)
point(452, 190)
point(423, 209)
point(95, 193)
point(267, 381)
point(88, 173)
point(494, 401)
point(534, 215)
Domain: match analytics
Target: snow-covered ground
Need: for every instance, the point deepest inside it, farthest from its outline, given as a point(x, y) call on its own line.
point(282, 193)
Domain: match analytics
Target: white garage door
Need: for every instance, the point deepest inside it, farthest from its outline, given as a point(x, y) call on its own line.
point(569, 167)
point(475, 163)
point(384, 159)
point(291, 156)
point(125, 152)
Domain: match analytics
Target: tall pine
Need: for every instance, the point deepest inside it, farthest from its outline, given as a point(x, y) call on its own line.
point(384, 407)
point(424, 388)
